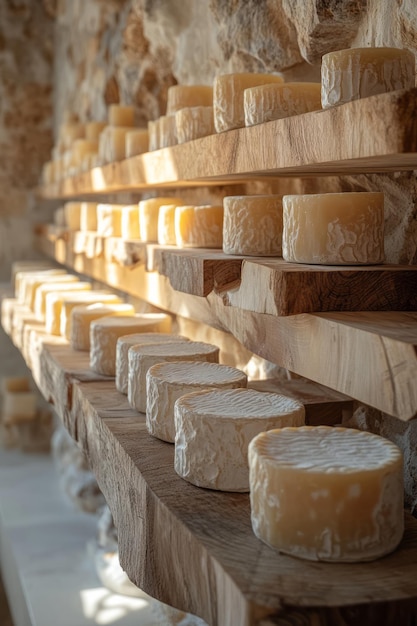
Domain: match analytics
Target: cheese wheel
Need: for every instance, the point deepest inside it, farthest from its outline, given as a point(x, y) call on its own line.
point(19, 406)
point(149, 214)
point(71, 301)
point(88, 216)
point(69, 132)
point(166, 382)
point(252, 225)
point(53, 287)
point(83, 314)
point(82, 148)
point(31, 281)
point(105, 332)
point(166, 225)
point(194, 122)
point(181, 96)
point(115, 143)
point(56, 302)
point(72, 215)
point(130, 222)
point(334, 228)
point(360, 72)
point(122, 352)
point(21, 267)
point(228, 91)
point(109, 220)
point(167, 131)
point(153, 131)
point(199, 226)
point(120, 115)
point(136, 142)
point(327, 494)
point(93, 130)
point(273, 102)
point(142, 357)
point(214, 428)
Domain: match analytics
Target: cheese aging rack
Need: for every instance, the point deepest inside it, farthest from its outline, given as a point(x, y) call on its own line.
point(191, 547)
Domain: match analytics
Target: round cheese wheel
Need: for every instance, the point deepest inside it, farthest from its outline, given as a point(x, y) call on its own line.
point(327, 494)
point(84, 314)
point(273, 102)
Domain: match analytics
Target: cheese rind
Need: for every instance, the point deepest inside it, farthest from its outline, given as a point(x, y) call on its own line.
point(360, 72)
point(275, 101)
point(214, 428)
point(136, 142)
point(130, 222)
point(334, 228)
point(83, 315)
point(105, 332)
point(199, 226)
point(93, 130)
point(56, 303)
point(194, 122)
point(149, 215)
point(153, 130)
point(122, 352)
point(252, 225)
point(121, 115)
point(181, 96)
point(109, 220)
point(142, 357)
point(166, 382)
point(327, 494)
point(167, 131)
point(228, 91)
point(166, 225)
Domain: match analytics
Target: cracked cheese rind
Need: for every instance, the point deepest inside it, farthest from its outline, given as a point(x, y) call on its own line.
point(214, 428)
point(275, 101)
point(194, 122)
point(327, 494)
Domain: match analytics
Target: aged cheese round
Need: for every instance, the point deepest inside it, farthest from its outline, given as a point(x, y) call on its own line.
point(166, 225)
point(105, 332)
point(275, 101)
point(88, 216)
point(334, 228)
point(137, 142)
point(213, 430)
point(199, 226)
point(153, 131)
point(93, 130)
point(142, 357)
point(109, 220)
point(194, 122)
point(130, 222)
point(252, 225)
point(327, 494)
point(122, 352)
point(167, 131)
point(228, 91)
point(120, 115)
point(53, 287)
point(149, 215)
point(29, 283)
point(83, 314)
point(59, 304)
point(166, 382)
point(181, 96)
point(360, 72)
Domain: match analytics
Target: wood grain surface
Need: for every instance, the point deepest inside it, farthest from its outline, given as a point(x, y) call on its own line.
point(378, 133)
point(194, 548)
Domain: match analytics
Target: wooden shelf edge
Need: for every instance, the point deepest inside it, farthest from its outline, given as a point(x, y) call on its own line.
point(374, 134)
point(311, 345)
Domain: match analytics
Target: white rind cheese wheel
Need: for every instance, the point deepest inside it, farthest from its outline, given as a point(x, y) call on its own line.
point(105, 332)
point(166, 382)
point(181, 96)
point(194, 122)
point(214, 429)
point(228, 91)
point(109, 220)
point(166, 225)
point(273, 102)
point(83, 315)
point(167, 131)
point(334, 228)
point(30, 283)
point(199, 226)
point(149, 215)
point(88, 216)
point(72, 211)
point(153, 131)
point(93, 130)
point(80, 149)
point(360, 72)
point(252, 225)
point(122, 352)
point(130, 222)
point(327, 494)
point(56, 301)
point(120, 115)
point(142, 357)
point(137, 142)
point(53, 287)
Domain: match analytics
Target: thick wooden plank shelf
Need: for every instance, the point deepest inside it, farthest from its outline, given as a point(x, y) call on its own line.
point(378, 133)
point(323, 347)
point(194, 548)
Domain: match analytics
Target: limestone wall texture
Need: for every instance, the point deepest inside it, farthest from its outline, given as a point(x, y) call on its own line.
point(131, 51)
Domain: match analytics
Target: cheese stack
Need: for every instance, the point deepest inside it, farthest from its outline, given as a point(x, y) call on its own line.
point(214, 428)
point(194, 122)
point(199, 226)
point(360, 72)
point(166, 382)
point(142, 357)
point(229, 111)
point(149, 215)
point(122, 352)
point(334, 228)
point(252, 225)
point(83, 315)
point(273, 102)
point(327, 494)
point(105, 332)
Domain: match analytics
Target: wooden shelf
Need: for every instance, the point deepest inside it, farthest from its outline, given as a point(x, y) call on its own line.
point(323, 347)
point(375, 134)
point(194, 548)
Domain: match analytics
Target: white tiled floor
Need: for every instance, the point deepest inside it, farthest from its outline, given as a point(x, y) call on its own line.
point(48, 574)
